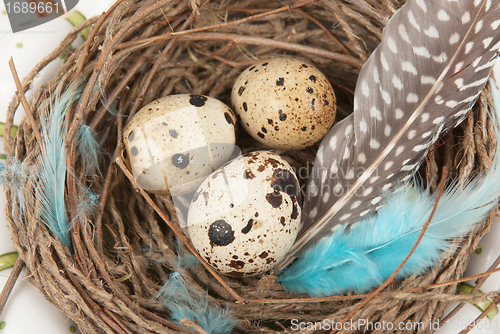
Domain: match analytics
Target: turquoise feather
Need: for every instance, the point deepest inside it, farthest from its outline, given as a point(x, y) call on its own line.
point(50, 188)
point(16, 176)
point(185, 302)
point(90, 150)
point(363, 256)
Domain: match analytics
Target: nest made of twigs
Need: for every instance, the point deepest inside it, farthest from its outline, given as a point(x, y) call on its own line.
point(124, 252)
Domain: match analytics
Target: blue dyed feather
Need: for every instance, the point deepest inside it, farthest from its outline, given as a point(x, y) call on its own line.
point(50, 189)
point(363, 256)
point(90, 149)
point(185, 259)
point(16, 176)
point(185, 302)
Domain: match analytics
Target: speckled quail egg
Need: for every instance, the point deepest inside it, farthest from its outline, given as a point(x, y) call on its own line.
point(284, 103)
point(174, 142)
point(244, 218)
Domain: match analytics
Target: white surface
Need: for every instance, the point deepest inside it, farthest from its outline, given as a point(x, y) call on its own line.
point(28, 312)
point(466, 316)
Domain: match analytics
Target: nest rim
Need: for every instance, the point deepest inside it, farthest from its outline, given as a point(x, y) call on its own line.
point(64, 279)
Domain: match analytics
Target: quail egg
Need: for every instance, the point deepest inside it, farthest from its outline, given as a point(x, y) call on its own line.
point(174, 142)
point(244, 218)
point(284, 103)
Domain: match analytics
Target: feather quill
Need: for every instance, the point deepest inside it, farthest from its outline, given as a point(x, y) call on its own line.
point(363, 256)
point(184, 302)
point(432, 63)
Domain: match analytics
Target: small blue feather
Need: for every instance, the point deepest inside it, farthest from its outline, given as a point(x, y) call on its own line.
point(364, 256)
point(184, 302)
point(16, 177)
point(87, 204)
point(185, 259)
point(90, 149)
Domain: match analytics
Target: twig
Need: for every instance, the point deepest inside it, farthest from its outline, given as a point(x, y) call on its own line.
point(90, 39)
point(24, 102)
point(209, 54)
point(93, 305)
point(85, 53)
point(11, 281)
point(177, 232)
point(107, 181)
point(493, 303)
point(476, 288)
point(75, 234)
point(382, 18)
point(243, 20)
point(336, 85)
point(99, 115)
point(361, 296)
point(307, 16)
point(393, 275)
point(327, 32)
point(247, 40)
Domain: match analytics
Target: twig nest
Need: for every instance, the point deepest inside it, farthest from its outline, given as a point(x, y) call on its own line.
point(174, 142)
point(284, 103)
point(244, 218)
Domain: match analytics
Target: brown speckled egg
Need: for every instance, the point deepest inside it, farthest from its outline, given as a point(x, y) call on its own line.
point(174, 142)
point(244, 218)
point(284, 103)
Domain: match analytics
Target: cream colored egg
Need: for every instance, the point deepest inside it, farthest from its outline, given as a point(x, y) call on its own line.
point(284, 103)
point(174, 142)
point(244, 218)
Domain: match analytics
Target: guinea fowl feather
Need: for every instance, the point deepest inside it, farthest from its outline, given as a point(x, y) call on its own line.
point(433, 61)
point(364, 255)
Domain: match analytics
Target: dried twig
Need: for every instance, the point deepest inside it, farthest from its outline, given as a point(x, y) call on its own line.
point(248, 40)
point(307, 16)
point(243, 20)
point(493, 268)
point(382, 18)
point(11, 281)
point(493, 303)
point(361, 296)
point(24, 102)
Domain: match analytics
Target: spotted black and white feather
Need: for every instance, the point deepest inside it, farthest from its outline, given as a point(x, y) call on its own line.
point(434, 59)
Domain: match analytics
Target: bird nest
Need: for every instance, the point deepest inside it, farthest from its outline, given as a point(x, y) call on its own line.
point(123, 252)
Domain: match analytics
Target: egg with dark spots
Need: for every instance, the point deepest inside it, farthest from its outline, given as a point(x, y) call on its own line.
point(250, 216)
point(287, 91)
point(174, 142)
